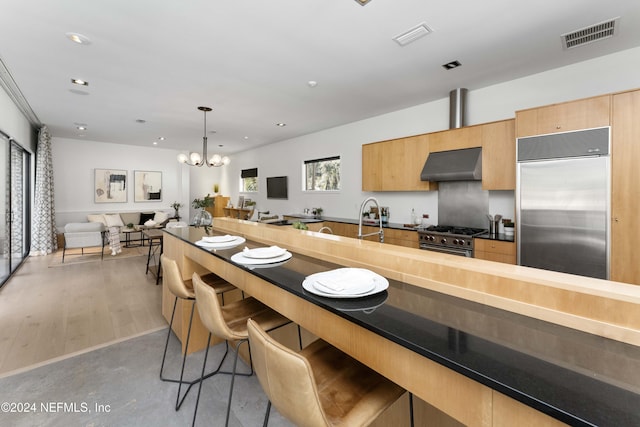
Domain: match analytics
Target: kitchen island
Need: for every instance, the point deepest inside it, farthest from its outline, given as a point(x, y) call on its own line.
point(448, 331)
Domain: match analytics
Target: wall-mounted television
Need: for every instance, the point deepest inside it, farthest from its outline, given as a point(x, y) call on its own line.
point(277, 187)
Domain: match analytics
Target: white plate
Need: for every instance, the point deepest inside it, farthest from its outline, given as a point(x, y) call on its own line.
point(262, 253)
point(241, 259)
point(380, 284)
point(219, 239)
point(356, 289)
point(225, 245)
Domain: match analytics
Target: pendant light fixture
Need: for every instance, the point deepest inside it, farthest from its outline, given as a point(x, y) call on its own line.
point(195, 159)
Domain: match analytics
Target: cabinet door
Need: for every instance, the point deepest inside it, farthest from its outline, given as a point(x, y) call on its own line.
point(456, 139)
point(372, 166)
point(499, 155)
point(395, 165)
point(574, 115)
point(495, 250)
point(625, 188)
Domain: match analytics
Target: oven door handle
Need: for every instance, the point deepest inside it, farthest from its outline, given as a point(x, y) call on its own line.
point(451, 251)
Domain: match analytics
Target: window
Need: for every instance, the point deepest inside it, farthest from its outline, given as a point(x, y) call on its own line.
point(322, 174)
point(249, 180)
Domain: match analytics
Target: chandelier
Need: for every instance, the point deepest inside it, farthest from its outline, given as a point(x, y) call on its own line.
point(195, 159)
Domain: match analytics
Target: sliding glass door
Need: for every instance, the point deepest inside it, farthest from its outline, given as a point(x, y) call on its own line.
point(15, 213)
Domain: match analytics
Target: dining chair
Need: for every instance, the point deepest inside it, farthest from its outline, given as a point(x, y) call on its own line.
point(183, 289)
point(319, 386)
point(229, 322)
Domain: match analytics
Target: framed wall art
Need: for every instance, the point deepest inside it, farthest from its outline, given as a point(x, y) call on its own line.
point(110, 186)
point(147, 186)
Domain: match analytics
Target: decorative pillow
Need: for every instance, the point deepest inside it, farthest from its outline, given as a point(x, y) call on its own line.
point(144, 217)
point(113, 220)
point(160, 217)
point(97, 218)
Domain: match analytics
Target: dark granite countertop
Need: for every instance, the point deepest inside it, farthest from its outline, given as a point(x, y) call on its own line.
point(578, 378)
point(500, 237)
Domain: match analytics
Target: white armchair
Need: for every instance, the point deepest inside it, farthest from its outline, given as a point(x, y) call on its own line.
point(83, 235)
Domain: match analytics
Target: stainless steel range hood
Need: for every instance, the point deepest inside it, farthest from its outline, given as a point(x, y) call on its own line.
point(453, 165)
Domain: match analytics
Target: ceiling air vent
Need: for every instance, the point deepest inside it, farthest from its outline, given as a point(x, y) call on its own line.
point(587, 35)
point(412, 34)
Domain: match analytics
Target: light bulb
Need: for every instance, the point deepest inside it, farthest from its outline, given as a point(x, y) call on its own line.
point(215, 159)
point(226, 160)
point(195, 158)
point(182, 158)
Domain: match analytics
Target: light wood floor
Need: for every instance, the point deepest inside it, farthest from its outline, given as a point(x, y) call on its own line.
point(47, 313)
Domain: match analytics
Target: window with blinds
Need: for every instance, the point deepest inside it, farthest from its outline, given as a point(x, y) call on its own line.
point(249, 180)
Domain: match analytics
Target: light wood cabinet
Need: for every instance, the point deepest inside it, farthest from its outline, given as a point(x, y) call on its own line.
point(495, 250)
point(625, 187)
point(395, 165)
point(499, 155)
point(392, 236)
point(574, 115)
point(219, 202)
point(456, 139)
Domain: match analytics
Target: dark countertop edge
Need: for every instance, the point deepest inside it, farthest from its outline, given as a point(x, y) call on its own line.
point(467, 371)
point(498, 237)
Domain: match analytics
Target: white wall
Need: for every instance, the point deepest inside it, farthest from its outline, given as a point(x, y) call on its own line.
point(497, 102)
point(74, 162)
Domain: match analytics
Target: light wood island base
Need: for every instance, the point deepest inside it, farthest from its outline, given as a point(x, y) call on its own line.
point(598, 307)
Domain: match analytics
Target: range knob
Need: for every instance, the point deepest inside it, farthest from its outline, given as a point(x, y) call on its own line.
point(456, 241)
point(431, 238)
point(443, 241)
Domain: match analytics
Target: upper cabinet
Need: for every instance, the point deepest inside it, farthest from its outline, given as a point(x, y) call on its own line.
point(575, 115)
point(395, 165)
point(456, 139)
point(499, 155)
point(625, 187)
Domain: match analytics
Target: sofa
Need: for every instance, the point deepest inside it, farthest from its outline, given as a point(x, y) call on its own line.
point(155, 219)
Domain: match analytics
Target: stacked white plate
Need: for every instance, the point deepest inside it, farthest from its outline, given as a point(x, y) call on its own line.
point(220, 242)
point(261, 256)
point(345, 283)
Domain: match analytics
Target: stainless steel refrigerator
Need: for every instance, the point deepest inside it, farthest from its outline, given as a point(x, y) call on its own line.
point(563, 202)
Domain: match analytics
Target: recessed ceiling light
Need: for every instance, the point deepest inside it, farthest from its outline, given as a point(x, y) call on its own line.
point(80, 82)
point(155, 142)
point(246, 137)
point(141, 121)
point(281, 124)
point(451, 65)
point(78, 38)
point(363, 2)
point(161, 138)
point(312, 83)
point(81, 127)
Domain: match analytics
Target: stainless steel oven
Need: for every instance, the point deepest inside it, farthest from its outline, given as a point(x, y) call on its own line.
point(449, 239)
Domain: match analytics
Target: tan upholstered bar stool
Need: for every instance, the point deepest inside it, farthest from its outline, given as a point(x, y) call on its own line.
point(320, 385)
point(229, 322)
point(183, 290)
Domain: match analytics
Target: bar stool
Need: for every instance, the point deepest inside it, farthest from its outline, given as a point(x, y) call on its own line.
point(320, 385)
point(182, 290)
point(229, 322)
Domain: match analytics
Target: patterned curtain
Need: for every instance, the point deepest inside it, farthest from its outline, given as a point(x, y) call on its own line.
point(44, 237)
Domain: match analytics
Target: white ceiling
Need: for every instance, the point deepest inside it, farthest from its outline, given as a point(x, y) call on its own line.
point(251, 60)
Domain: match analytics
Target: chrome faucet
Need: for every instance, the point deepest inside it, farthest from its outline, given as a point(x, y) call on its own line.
point(362, 206)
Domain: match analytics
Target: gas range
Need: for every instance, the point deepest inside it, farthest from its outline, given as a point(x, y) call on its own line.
point(449, 239)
